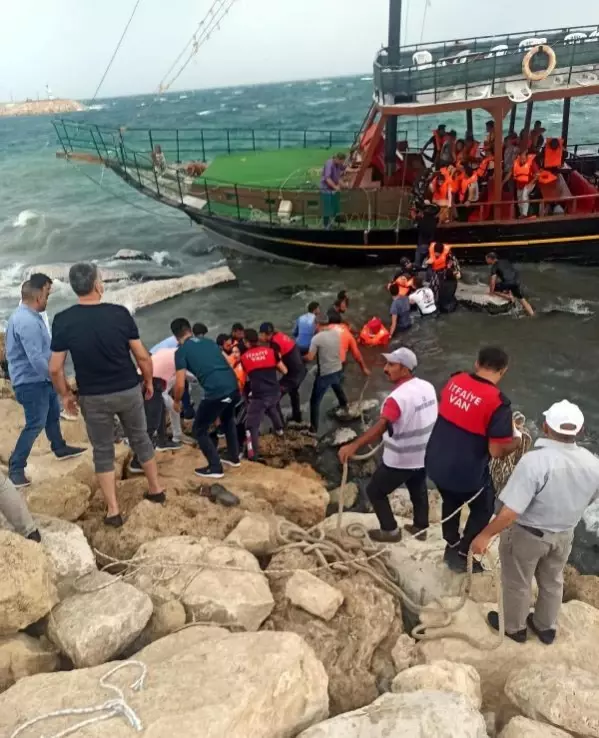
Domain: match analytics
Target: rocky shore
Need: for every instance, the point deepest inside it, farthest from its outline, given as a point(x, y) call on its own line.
point(40, 107)
point(235, 625)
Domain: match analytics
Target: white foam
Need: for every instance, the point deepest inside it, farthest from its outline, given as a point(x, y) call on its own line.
point(326, 101)
point(261, 106)
point(204, 112)
point(11, 276)
point(575, 306)
point(183, 97)
point(96, 107)
point(324, 82)
point(366, 79)
point(24, 218)
point(160, 257)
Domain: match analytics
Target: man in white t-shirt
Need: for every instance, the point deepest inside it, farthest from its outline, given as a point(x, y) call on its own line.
point(423, 297)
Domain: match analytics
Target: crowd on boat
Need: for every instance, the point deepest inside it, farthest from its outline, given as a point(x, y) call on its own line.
point(464, 168)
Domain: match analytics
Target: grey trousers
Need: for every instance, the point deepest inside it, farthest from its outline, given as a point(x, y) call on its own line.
point(14, 508)
point(524, 556)
point(98, 412)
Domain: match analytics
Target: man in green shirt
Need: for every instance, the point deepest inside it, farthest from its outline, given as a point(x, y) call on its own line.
point(203, 358)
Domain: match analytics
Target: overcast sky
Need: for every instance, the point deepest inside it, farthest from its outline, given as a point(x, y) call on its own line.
point(67, 43)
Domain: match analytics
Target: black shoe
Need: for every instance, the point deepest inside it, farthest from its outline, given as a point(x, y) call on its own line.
point(69, 452)
point(114, 521)
point(228, 462)
point(19, 479)
point(545, 636)
point(35, 536)
point(158, 498)
point(385, 536)
point(189, 414)
point(208, 473)
point(167, 445)
point(418, 533)
point(458, 563)
point(135, 467)
point(493, 620)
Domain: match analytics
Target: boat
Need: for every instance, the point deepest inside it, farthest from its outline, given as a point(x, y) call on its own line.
point(258, 191)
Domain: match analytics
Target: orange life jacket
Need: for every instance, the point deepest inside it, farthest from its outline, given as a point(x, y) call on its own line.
point(546, 177)
point(381, 338)
point(465, 183)
point(471, 150)
point(439, 139)
point(456, 180)
point(405, 284)
point(484, 166)
point(523, 172)
point(238, 370)
point(552, 158)
point(441, 188)
point(438, 262)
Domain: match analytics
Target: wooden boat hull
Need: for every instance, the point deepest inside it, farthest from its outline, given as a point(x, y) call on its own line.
point(575, 240)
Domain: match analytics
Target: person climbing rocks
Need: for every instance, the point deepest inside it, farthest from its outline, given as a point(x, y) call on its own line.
point(407, 419)
point(292, 359)
point(15, 510)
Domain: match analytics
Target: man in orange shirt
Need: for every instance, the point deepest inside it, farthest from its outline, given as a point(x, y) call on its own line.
point(349, 344)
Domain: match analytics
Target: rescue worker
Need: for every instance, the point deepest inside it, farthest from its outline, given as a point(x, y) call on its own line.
point(525, 175)
point(305, 327)
point(374, 333)
point(424, 298)
point(474, 424)
point(426, 217)
point(292, 359)
point(542, 504)
point(505, 280)
point(407, 418)
point(401, 319)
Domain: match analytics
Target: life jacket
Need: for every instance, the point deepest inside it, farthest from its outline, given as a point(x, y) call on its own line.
point(441, 189)
point(465, 183)
point(405, 284)
point(523, 172)
point(456, 181)
point(378, 338)
point(546, 178)
point(284, 343)
point(438, 262)
point(484, 166)
point(439, 139)
point(552, 158)
point(239, 371)
point(471, 150)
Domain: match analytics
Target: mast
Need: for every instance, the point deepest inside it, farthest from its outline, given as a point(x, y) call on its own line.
point(394, 41)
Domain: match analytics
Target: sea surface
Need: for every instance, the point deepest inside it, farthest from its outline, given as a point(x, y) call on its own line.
point(53, 211)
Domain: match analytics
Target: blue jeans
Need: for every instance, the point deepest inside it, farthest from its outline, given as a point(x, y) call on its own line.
point(319, 390)
point(42, 411)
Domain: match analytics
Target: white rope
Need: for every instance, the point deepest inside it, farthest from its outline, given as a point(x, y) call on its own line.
point(111, 708)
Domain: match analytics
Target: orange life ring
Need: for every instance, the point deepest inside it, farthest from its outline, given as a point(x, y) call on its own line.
point(538, 76)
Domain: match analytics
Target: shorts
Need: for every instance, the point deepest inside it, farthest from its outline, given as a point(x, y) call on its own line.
point(514, 288)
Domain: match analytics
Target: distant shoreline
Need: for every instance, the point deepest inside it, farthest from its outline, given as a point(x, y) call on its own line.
point(40, 107)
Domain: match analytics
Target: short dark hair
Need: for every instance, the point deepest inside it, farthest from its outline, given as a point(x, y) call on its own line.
point(199, 329)
point(538, 123)
point(313, 306)
point(82, 278)
point(267, 328)
point(493, 357)
point(453, 134)
point(180, 326)
point(222, 338)
point(38, 280)
point(28, 292)
point(334, 318)
point(251, 336)
point(237, 327)
point(394, 289)
point(341, 155)
point(491, 255)
point(341, 296)
point(438, 247)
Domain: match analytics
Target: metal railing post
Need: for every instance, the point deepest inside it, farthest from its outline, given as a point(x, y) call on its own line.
point(103, 142)
point(330, 139)
point(60, 139)
point(203, 145)
point(67, 135)
point(207, 193)
point(228, 141)
point(180, 188)
point(178, 150)
point(237, 203)
point(253, 139)
point(151, 141)
point(123, 154)
point(137, 168)
point(305, 138)
point(279, 137)
point(269, 207)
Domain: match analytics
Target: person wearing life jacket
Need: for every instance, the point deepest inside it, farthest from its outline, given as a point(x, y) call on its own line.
point(234, 359)
point(374, 333)
point(305, 327)
point(407, 419)
point(448, 150)
point(485, 168)
point(469, 193)
point(293, 361)
point(441, 194)
point(424, 298)
point(471, 148)
point(401, 318)
point(553, 156)
point(437, 256)
point(525, 175)
point(225, 343)
point(460, 153)
point(437, 140)
point(404, 279)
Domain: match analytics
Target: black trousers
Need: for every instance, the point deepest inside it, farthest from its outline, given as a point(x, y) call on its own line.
point(481, 512)
point(156, 412)
point(386, 480)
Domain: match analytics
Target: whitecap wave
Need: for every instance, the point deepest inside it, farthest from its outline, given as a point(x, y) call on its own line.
point(11, 276)
point(326, 101)
point(261, 106)
point(205, 112)
point(239, 92)
point(24, 218)
point(324, 82)
point(96, 107)
point(161, 257)
point(575, 306)
point(183, 97)
point(366, 79)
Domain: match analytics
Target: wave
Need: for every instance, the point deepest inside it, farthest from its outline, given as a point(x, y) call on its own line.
point(11, 276)
point(326, 101)
point(205, 112)
point(183, 97)
point(24, 218)
point(324, 82)
point(239, 92)
point(575, 306)
point(161, 257)
point(366, 79)
point(96, 107)
point(261, 106)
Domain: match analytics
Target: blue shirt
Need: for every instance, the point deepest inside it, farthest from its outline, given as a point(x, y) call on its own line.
point(204, 359)
point(401, 307)
point(304, 329)
point(170, 342)
point(27, 347)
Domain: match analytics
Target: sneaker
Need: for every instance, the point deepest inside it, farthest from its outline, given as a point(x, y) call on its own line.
point(167, 445)
point(19, 479)
point(185, 440)
point(458, 563)
point(67, 416)
point(418, 533)
point(493, 620)
point(229, 462)
point(545, 636)
point(280, 433)
point(207, 473)
point(135, 467)
point(69, 452)
point(385, 536)
point(159, 498)
point(35, 536)
point(114, 521)
point(295, 424)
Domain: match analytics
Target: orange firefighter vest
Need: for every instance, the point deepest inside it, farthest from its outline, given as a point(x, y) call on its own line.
point(380, 338)
point(553, 157)
point(438, 262)
point(523, 172)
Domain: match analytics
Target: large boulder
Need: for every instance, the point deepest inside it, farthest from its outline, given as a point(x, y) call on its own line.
point(66, 498)
point(404, 653)
point(215, 582)
point(67, 548)
point(166, 619)
point(21, 656)
point(201, 683)
point(522, 727)
point(97, 624)
point(583, 587)
point(27, 590)
point(424, 714)
point(255, 533)
point(558, 693)
point(577, 644)
point(442, 676)
point(313, 595)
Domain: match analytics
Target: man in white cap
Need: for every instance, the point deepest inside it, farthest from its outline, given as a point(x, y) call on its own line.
point(407, 420)
point(543, 503)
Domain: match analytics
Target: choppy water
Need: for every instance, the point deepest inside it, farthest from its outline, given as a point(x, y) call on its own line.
point(52, 211)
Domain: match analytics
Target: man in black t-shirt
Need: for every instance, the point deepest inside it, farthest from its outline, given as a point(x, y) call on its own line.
point(505, 281)
point(101, 338)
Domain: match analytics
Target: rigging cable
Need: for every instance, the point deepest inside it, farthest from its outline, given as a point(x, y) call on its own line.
point(427, 4)
point(116, 51)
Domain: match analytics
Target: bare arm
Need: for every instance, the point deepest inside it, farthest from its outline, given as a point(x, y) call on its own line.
point(499, 450)
point(492, 284)
point(282, 368)
point(332, 184)
point(144, 362)
point(59, 380)
point(372, 435)
point(179, 388)
point(506, 517)
point(393, 325)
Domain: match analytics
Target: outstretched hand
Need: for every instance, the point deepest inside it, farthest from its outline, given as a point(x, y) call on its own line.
point(480, 544)
point(346, 452)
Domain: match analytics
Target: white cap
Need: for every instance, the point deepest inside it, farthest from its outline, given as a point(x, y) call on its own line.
point(403, 356)
point(564, 413)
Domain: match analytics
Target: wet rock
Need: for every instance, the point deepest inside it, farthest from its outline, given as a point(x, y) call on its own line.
point(342, 436)
point(215, 582)
point(201, 683)
point(255, 533)
point(313, 595)
point(27, 591)
point(477, 297)
point(356, 410)
point(22, 656)
point(98, 624)
point(424, 714)
point(442, 676)
point(404, 653)
point(67, 549)
point(558, 693)
point(132, 255)
point(522, 727)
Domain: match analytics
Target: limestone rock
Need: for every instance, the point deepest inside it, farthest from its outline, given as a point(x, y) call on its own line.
point(350, 495)
point(583, 587)
point(66, 499)
point(522, 727)
point(215, 582)
point(402, 505)
point(255, 533)
point(6, 390)
point(424, 714)
point(96, 626)
point(313, 595)
point(199, 685)
point(577, 644)
point(166, 619)
point(27, 590)
point(442, 676)
point(404, 653)
point(67, 548)
point(558, 693)
point(21, 656)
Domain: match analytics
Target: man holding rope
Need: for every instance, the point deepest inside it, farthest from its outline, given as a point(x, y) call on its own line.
point(407, 419)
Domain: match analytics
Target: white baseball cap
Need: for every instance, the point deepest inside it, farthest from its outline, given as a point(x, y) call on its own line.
point(403, 356)
point(564, 413)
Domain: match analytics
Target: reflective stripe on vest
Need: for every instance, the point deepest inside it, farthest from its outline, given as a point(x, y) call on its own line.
point(406, 445)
